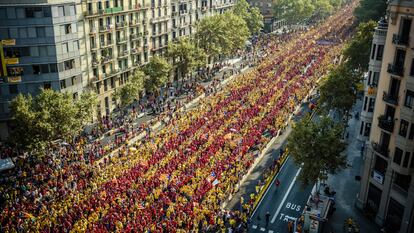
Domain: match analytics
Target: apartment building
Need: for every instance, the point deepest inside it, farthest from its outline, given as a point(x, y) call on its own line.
point(75, 45)
point(387, 185)
point(371, 79)
point(42, 44)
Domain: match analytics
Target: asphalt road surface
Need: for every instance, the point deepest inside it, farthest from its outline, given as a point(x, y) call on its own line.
point(284, 203)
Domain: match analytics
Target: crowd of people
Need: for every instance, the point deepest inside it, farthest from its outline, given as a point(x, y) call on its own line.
point(175, 180)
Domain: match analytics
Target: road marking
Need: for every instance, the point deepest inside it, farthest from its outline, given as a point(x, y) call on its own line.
point(286, 195)
point(254, 227)
point(274, 178)
point(270, 231)
point(262, 229)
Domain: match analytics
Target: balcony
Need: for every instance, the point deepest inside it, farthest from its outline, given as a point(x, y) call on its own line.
point(95, 62)
point(134, 51)
point(113, 10)
point(105, 60)
point(381, 149)
point(92, 31)
point(135, 36)
point(400, 40)
point(133, 23)
point(160, 19)
point(395, 69)
point(389, 98)
point(120, 25)
point(121, 40)
point(123, 53)
point(386, 123)
point(106, 28)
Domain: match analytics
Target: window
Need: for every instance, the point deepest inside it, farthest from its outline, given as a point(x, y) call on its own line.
point(375, 79)
point(70, 64)
point(72, 10)
point(36, 69)
point(53, 68)
point(380, 52)
point(61, 11)
point(412, 68)
point(22, 32)
point(42, 51)
point(40, 31)
point(47, 85)
point(362, 128)
point(403, 128)
point(371, 104)
point(411, 134)
point(73, 79)
point(3, 13)
point(44, 69)
point(75, 96)
point(65, 48)
point(398, 155)
point(409, 97)
point(13, 89)
point(33, 12)
point(406, 159)
point(62, 84)
point(367, 129)
point(68, 28)
point(374, 46)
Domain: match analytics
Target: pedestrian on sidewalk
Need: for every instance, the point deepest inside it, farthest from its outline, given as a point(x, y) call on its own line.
point(290, 226)
point(267, 218)
point(277, 183)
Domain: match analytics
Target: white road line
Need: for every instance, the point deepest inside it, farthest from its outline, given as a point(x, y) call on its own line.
point(270, 231)
point(254, 227)
point(274, 178)
point(262, 229)
point(286, 195)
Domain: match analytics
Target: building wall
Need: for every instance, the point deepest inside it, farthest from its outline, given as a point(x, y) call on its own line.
point(387, 185)
point(371, 80)
point(76, 45)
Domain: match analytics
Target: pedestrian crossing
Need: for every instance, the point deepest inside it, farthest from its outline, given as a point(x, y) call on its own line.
point(262, 229)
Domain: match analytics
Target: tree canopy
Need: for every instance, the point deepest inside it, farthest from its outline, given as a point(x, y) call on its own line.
point(316, 146)
point(221, 34)
point(370, 10)
point(48, 116)
point(339, 88)
point(185, 55)
point(132, 89)
point(251, 15)
point(157, 72)
point(357, 50)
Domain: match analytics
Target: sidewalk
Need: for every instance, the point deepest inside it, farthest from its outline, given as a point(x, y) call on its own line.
point(346, 187)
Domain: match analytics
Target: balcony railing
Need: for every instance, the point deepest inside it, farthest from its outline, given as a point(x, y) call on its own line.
point(400, 40)
point(400, 190)
point(386, 123)
point(121, 40)
point(395, 69)
point(389, 98)
point(381, 149)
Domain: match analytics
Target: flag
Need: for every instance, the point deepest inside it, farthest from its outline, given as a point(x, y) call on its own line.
point(211, 177)
point(141, 206)
point(215, 182)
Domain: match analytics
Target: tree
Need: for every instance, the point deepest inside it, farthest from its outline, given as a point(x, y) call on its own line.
point(357, 51)
point(132, 89)
point(185, 55)
point(338, 89)
point(251, 15)
point(317, 147)
point(370, 10)
point(293, 11)
point(157, 72)
point(221, 34)
point(323, 8)
point(48, 116)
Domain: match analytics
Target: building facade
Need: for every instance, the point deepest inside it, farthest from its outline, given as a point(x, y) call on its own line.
point(371, 80)
point(75, 45)
point(387, 185)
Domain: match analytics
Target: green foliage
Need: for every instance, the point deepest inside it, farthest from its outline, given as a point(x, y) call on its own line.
point(186, 56)
point(370, 10)
point(157, 71)
point(132, 89)
point(317, 147)
point(251, 15)
point(293, 11)
point(357, 51)
point(221, 34)
point(338, 89)
point(48, 116)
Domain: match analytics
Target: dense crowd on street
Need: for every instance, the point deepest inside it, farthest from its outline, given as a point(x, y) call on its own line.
point(176, 179)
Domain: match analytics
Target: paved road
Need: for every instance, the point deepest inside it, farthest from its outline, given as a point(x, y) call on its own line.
point(283, 203)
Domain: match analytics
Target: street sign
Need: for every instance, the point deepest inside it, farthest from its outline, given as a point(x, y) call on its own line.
point(8, 42)
point(11, 61)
